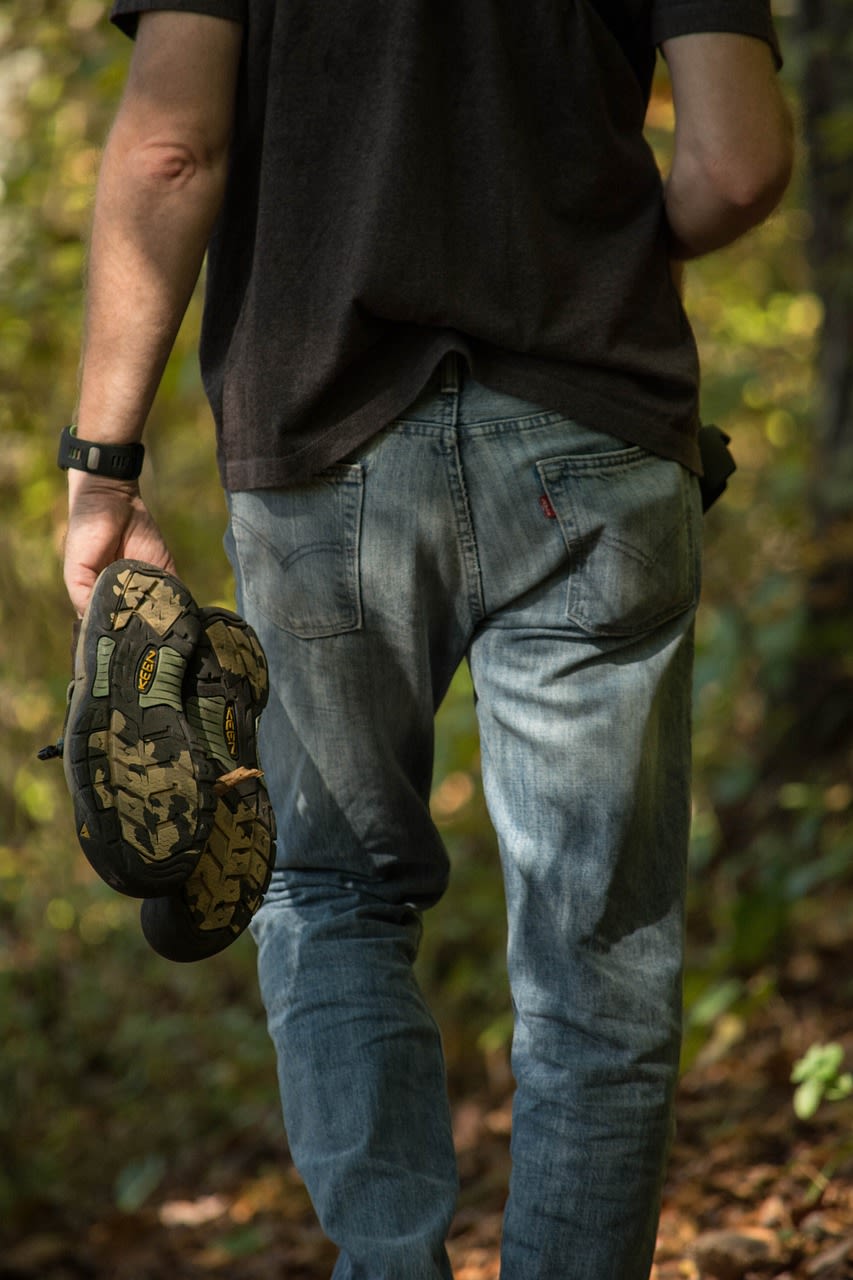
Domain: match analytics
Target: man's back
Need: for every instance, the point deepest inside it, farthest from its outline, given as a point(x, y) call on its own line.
point(410, 177)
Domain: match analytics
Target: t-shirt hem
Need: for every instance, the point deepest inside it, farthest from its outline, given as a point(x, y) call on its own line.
point(286, 469)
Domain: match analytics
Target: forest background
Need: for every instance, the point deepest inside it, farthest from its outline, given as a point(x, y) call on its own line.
point(127, 1083)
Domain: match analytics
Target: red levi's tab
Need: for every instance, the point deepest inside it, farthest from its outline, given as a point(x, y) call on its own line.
point(547, 509)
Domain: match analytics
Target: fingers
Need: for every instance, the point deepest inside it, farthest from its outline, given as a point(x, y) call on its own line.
point(79, 582)
point(92, 541)
point(105, 526)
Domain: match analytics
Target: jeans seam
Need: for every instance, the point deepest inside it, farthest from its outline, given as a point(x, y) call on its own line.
point(465, 535)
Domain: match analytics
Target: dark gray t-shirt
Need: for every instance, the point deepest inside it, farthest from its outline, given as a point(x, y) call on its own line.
point(410, 177)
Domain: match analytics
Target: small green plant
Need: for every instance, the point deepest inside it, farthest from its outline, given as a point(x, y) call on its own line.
point(818, 1076)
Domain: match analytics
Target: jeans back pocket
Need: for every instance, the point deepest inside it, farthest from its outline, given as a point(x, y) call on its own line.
point(298, 550)
point(631, 522)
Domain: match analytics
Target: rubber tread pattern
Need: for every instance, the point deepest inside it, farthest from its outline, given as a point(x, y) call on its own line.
point(142, 787)
point(227, 677)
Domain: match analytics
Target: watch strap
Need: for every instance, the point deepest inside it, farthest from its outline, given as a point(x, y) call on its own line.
point(117, 461)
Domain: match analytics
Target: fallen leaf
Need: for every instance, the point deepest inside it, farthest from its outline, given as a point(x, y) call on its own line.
point(192, 1213)
point(729, 1255)
point(839, 1255)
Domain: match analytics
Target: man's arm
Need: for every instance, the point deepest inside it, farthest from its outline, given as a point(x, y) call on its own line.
point(733, 140)
point(160, 188)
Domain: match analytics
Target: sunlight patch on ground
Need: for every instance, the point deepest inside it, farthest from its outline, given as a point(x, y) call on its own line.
point(192, 1213)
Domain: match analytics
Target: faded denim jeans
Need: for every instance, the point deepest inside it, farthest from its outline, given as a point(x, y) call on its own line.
point(564, 565)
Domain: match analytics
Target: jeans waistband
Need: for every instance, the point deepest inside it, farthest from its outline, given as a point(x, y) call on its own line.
point(453, 397)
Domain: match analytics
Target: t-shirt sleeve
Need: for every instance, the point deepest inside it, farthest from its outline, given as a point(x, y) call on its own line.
point(125, 13)
point(690, 17)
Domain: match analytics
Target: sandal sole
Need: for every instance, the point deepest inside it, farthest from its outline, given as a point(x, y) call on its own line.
point(143, 791)
point(218, 900)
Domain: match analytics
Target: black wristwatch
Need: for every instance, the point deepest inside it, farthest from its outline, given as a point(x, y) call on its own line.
point(117, 461)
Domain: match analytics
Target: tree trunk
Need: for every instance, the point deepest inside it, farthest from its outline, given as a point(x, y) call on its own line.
point(823, 691)
point(827, 37)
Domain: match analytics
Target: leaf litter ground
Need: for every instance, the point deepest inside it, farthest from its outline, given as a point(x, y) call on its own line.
point(752, 1192)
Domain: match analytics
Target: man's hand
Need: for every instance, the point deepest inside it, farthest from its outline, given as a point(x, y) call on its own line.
point(107, 520)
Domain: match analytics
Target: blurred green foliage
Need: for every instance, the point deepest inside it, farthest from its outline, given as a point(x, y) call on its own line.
point(818, 1076)
point(118, 1069)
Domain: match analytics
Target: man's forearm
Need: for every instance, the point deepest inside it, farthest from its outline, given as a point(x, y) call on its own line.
point(156, 202)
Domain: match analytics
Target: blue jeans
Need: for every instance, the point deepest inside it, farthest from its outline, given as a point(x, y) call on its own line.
point(564, 565)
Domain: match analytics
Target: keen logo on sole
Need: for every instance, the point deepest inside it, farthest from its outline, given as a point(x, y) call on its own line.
point(231, 731)
point(147, 667)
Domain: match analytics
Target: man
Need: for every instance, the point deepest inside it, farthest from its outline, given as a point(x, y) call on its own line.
point(455, 396)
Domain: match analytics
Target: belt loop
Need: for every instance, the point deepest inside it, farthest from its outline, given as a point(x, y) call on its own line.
point(450, 371)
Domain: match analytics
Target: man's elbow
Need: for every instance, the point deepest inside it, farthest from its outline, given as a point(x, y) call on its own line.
point(757, 180)
point(757, 188)
point(167, 163)
point(714, 197)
